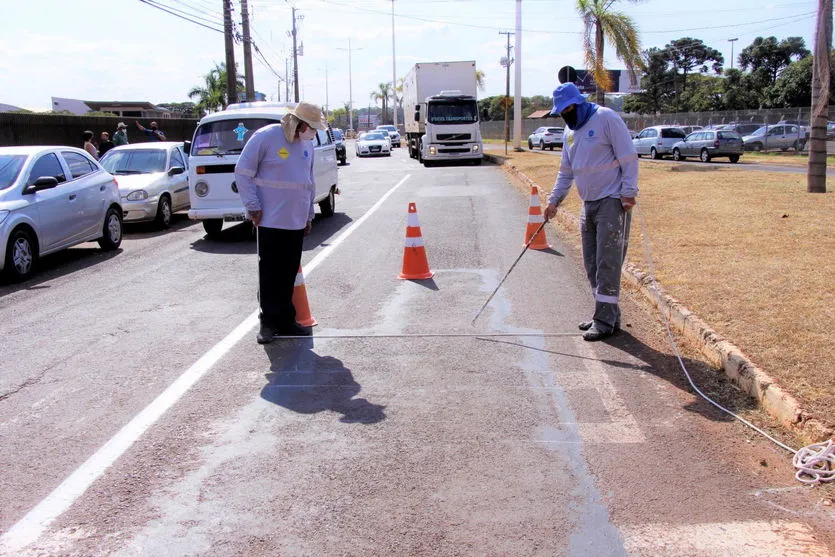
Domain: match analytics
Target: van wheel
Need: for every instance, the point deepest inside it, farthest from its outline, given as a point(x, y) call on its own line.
point(328, 205)
point(163, 218)
point(21, 256)
point(111, 237)
point(213, 228)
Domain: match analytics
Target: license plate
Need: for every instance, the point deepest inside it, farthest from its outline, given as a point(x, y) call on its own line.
point(234, 218)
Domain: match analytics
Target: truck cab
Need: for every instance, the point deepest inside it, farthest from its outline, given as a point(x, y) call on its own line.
point(451, 128)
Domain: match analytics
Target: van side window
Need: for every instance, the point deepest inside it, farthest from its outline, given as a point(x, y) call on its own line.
point(324, 138)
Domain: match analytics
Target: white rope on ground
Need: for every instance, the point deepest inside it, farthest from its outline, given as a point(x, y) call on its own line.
point(814, 463)
point(435, 335)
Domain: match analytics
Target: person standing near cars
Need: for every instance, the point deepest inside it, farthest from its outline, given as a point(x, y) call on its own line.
point(121, 135)
point(598, 155)
point(154, 133)
point(89, 146)
point(275, 180)
point(104, 143)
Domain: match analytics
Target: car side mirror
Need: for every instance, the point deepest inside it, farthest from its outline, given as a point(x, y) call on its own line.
point(42, 183)
point(174, 170)
point(187, 147)
point(417, 115)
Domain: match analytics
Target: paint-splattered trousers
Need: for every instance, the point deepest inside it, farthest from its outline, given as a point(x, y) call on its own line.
point(604, 228)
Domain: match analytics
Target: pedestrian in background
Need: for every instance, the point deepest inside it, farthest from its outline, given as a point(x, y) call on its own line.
point(598, 156)
point(121, 135)
point(154, 133)
point(275, 180)
point(89, 146)
point(105, 144)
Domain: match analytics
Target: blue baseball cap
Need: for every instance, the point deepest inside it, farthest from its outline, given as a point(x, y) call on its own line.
point(564, 96)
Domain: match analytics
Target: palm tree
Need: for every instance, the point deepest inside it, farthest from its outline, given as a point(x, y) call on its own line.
point(479, 79)
point(212, 94)
point(382, 93)
point(603, 24)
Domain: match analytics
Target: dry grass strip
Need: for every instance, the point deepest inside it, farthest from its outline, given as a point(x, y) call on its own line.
point(749, 252)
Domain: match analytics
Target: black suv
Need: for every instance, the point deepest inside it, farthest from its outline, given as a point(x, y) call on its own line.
point(339, 141)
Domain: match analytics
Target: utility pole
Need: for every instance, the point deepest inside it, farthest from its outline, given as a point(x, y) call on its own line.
point(231, 78)
point(326, 89)
point(295, 59)
point(350, 87)
point(393, 70)
point(732, 41)
point(507, 62)
point(287, 79)
point(250, 80)
point(517, 94)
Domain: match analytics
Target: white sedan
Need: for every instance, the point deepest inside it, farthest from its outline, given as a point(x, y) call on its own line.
point(373, 143)
point(53, 198)
point(153, 180)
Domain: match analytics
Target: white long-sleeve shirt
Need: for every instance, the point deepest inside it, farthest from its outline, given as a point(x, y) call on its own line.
point(600, 158)
point(276, 176)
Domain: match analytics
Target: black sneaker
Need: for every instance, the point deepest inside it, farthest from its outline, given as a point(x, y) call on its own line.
point(265, 335)
point(294, 330)
point(586, 325)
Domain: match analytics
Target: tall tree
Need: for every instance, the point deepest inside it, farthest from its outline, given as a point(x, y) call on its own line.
point(212, 95)
point(601, 24)
point(687, 54)
point(479, 80)
point(381, 94)
point(772, 57)
point(821, 75)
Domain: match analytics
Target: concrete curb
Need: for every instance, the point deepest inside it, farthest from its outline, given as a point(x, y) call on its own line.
point(718, 350)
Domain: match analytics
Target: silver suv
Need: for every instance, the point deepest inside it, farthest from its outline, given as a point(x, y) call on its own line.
point(657, 141)
point(781, 136)
point(546, 136)
point(709, 144)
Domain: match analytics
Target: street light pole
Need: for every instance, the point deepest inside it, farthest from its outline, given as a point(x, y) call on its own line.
point(517, 77)
point(393, 70)
point(732, 41)
point(350, 87)
point(507, 62)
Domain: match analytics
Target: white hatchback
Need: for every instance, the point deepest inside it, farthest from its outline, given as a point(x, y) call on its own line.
point(53, 198)
point(215, 149)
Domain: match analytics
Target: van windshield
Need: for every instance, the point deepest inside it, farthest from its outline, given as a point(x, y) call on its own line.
point(225, 137)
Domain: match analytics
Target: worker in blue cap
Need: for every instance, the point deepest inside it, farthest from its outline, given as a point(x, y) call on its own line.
point(598, 156)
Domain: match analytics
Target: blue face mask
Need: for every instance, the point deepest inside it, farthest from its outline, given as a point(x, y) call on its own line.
point(578, 117)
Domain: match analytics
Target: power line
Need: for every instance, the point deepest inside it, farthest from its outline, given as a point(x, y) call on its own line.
point(168, 9)
point(199, 9)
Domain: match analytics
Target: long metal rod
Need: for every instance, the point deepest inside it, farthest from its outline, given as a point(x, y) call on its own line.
point(530, 241)
point(434, 335)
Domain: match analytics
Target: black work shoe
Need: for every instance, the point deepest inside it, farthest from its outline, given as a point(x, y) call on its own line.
point(594, 334)
point(586, 325)
point(265, 335)
point(294, 330)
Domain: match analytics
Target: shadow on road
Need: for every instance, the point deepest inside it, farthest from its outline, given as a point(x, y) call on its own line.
point(240, 238)
point(142, 230)
point(305, 382)
point(58, 264)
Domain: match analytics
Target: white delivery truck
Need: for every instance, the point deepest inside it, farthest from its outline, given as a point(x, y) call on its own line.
point(218, 141)
point(441, 113)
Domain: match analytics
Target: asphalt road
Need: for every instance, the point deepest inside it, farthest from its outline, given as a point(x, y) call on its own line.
point(139, 417)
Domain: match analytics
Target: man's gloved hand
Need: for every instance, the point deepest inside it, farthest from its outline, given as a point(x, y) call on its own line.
point(627, 203)
point(255, 217)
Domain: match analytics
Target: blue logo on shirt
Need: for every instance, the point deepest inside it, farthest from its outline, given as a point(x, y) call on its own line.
point(591, 133)
point(306, 154)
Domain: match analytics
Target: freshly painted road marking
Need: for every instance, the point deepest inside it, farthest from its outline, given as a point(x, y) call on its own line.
point(31, 526)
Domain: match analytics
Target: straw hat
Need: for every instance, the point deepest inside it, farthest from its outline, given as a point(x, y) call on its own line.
point(310, 114)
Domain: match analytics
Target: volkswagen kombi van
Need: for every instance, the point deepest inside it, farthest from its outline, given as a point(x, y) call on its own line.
point(217, 144)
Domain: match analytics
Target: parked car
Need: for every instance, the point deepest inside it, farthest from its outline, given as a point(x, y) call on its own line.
point(805, 128)
point(741, 128)
point(657, 141)
point(218, 141)
point(830, 130)
point(373, 143)
point(153, 180)
point(709, 144)
point(393, 133)
point(769, 138)
point(546, 136)
point(385, 134)
point(689, 129)
point(339, 142)
point(53, 198)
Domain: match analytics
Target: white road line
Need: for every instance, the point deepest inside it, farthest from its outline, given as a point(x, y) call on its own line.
point(30, 527)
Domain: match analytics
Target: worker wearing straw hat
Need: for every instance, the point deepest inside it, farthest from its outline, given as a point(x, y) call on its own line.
point(275, 180)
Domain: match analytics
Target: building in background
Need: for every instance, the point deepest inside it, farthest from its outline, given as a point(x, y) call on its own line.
point(119, 108)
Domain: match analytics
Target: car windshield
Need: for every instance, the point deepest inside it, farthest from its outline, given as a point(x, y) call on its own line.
point(462, 112)
point(134, 161)
point(671, 133)
point(10, 166)
point(372, 136)
point(224, 137)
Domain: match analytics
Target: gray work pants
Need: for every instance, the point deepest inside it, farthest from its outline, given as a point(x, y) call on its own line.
point(604, 227)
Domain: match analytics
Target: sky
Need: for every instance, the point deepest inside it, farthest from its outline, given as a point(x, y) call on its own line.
point(127, 50)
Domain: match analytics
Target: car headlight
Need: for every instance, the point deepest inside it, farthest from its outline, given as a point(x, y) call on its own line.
point(137, 195)
point(475, 149)
point(3, 215)
point(432, 150)
point(201, 189)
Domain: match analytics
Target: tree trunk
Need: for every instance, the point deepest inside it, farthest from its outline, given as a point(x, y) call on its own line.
point(600, 95)
point(816, 175)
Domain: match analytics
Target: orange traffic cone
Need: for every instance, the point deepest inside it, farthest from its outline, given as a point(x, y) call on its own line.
point(535, 219)
point(303, 316)
point(415, 265)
